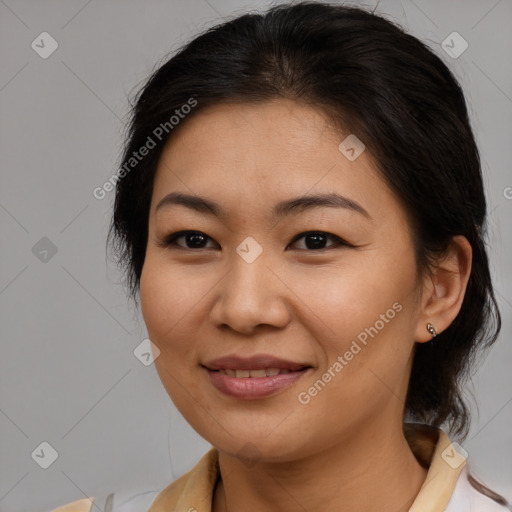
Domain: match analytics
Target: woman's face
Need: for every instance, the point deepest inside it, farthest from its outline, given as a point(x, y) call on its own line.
point(342, 303)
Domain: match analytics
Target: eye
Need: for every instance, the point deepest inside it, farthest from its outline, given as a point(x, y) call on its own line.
point(196, 239)
point(315, 240)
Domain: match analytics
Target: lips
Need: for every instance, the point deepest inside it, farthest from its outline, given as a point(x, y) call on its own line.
point(254, 374)
point(255, 377)
point(255, 363)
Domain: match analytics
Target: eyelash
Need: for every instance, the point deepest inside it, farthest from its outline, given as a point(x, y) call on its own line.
point(169, 241)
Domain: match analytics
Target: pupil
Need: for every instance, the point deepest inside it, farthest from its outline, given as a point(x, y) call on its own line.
point(317, 239)
point(195, 239)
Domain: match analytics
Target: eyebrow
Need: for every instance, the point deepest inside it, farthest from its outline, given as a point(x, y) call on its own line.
point(282, 209)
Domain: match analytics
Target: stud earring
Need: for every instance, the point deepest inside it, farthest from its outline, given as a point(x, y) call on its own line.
point(431, 330)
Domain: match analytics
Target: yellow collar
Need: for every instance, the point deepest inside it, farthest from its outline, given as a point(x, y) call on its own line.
point(193, 491)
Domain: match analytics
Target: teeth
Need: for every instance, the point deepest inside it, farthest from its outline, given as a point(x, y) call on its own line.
point(267, 372)
point(257, 373)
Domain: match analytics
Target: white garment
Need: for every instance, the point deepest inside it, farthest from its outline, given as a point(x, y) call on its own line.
point(466, 498)
point(121, 501)
point(446, 488)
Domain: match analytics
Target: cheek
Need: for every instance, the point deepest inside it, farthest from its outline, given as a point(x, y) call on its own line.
point(167, 293)
point(363, 314)
point(167, 303)
point(341, 300)
point(167, 299)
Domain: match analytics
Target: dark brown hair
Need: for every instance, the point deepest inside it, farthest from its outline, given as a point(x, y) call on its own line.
point(389, 89)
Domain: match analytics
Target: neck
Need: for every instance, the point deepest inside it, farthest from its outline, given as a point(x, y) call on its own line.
point(371, 470)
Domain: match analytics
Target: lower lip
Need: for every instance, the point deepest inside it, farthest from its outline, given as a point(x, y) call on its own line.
point(252, 388)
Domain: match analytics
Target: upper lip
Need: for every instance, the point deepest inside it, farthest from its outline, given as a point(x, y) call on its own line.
point(256, 362)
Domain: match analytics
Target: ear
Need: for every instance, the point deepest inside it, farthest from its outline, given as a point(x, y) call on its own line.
point(444, 288)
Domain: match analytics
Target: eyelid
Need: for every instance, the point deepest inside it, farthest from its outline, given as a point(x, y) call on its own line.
point(168, 241)
point(338, 241)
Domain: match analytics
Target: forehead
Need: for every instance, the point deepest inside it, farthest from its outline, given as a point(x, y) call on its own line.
point(246, 154)
point(239, 132)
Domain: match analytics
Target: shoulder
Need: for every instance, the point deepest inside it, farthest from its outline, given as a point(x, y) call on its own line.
point(193, 490)
point(194, 487)
point(474, 497)
point(170, 495)
point(114, 502)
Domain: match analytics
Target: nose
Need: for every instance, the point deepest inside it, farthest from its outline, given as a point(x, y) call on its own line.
point(250, 296)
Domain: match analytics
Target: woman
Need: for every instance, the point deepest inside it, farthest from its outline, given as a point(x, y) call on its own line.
point(300, 207)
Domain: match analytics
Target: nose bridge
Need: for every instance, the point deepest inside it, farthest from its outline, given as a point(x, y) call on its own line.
point(250, 293)
point(249, 276)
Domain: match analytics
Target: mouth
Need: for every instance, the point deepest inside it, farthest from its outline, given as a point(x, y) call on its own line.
point(244, 374)
point(254, 377)
point(255, 363)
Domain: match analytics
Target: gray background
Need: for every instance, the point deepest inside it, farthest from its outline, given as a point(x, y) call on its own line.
point(68, 374)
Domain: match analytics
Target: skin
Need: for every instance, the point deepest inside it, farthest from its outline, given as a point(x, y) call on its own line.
point(345, 449)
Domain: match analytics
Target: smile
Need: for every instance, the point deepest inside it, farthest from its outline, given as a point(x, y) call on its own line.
point(243, 374)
